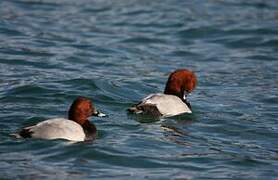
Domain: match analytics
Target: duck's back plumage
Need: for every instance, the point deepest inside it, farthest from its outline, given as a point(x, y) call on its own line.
point(58, 128)
point(161, 104)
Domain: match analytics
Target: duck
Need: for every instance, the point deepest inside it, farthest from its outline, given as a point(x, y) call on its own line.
point(173, 101)
point(76, 128)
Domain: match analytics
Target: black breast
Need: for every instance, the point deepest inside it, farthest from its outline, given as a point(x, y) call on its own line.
point(90, 131)
point(187, 103)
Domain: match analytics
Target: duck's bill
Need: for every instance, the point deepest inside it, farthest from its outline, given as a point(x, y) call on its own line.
point(99, 114)
point(185, 94)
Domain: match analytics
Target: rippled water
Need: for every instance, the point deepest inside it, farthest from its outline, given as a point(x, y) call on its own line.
point(118, 51)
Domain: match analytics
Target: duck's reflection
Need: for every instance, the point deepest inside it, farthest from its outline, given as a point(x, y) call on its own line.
point(175, 128)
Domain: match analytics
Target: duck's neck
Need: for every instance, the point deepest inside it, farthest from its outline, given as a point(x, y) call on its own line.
point(90, 130)
point(174, 90)
point(179, 94)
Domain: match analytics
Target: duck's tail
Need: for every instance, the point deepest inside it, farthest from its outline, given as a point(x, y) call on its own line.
point(135, 110)
point(146, 109)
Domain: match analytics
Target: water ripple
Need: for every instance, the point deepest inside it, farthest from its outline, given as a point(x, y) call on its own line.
point(116, 52)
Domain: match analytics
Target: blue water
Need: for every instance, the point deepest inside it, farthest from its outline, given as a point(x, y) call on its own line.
point(118, 51)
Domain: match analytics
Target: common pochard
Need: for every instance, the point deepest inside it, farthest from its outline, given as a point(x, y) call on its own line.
point(173, 101)
point(76, 128)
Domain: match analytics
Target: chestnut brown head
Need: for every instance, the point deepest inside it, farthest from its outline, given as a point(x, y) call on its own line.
point(81, 109)
point(180, 83)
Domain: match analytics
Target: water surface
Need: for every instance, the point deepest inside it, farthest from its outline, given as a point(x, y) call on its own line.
point(116, 52)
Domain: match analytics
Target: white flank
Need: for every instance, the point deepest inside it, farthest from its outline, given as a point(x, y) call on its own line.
point(58, 128)
point(168, 105)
